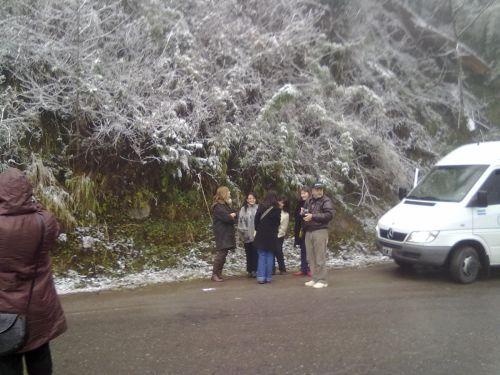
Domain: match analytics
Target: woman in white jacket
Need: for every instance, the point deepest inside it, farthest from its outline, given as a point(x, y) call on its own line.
point(246, 230)
point(283, 229)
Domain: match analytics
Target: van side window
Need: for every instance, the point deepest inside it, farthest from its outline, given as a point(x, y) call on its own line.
point(492, 187)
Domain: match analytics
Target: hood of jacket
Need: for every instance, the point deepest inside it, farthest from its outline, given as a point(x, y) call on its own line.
point(16, 193)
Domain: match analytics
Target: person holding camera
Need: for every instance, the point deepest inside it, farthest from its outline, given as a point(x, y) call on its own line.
point(318, 212)
point(27, 235)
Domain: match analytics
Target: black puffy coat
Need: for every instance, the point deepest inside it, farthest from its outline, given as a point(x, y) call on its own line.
point(266, 237)
point(223, 226)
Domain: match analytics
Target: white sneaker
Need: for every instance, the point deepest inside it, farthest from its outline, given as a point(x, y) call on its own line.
point(310, 283)
point(320, 284)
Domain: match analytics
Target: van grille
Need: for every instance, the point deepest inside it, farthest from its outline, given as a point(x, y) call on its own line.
point(396, 236)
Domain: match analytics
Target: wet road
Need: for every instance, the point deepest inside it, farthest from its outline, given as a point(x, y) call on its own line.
point(376, 320)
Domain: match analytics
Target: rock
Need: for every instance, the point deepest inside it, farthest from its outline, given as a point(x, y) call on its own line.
point(141, 212)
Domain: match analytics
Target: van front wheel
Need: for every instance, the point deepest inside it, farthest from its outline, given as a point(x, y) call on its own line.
point(465, 265)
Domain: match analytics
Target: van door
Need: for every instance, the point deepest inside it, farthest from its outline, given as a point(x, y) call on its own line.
point(486, 220)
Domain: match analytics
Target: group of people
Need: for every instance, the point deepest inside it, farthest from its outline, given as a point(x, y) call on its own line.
point(28, 232)
point(262, 228)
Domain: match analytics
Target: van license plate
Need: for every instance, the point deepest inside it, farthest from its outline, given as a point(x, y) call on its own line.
point(386, 251)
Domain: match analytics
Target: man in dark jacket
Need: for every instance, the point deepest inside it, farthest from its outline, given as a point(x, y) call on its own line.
point(20, 234)
point(318, 212)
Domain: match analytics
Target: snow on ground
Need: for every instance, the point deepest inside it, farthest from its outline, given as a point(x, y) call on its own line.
point(193, 266)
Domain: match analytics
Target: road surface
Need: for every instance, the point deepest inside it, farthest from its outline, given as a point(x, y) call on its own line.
point(376, 320)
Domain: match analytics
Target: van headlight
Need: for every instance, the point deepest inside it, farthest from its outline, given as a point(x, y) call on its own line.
point(422, 237)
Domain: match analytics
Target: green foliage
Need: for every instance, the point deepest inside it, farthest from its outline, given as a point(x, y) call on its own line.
point(155, 243)
point(282, 97)
point(48, 190)
point(255, 95)
point(84, 200)
point(494, 113)
point(178, 220)
point(142, 198)
point(336, 4)
point(185, 205)
point(347, 228)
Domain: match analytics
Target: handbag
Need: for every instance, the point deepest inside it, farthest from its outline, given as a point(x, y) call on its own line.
point(13, 328)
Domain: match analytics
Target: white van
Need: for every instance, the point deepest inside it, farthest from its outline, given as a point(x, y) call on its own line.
point(452, 217)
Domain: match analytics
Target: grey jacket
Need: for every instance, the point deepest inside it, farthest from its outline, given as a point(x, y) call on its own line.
point(246, 225)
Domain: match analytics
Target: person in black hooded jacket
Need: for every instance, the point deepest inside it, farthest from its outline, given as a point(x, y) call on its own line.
point(267, 222)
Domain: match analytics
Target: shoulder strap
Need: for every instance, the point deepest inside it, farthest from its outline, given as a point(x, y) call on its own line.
point(36, 259)
point(266, 212)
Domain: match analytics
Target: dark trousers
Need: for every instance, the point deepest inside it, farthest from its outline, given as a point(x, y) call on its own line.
point(38, 362)
point(219, 261)
point(279, 256)
point(252, 257)
point(304, 266)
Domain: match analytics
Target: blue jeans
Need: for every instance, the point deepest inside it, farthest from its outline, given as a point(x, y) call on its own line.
point(265, 265)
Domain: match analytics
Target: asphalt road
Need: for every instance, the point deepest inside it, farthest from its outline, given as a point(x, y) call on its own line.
point(377, 320)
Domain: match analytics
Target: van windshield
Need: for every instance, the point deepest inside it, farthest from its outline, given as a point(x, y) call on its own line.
point(447, 183)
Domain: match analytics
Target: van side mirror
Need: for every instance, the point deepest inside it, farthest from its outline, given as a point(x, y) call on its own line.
point(402, 193)
point(482, 199)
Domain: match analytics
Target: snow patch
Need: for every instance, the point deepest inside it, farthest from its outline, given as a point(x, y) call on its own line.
point(193, 267)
